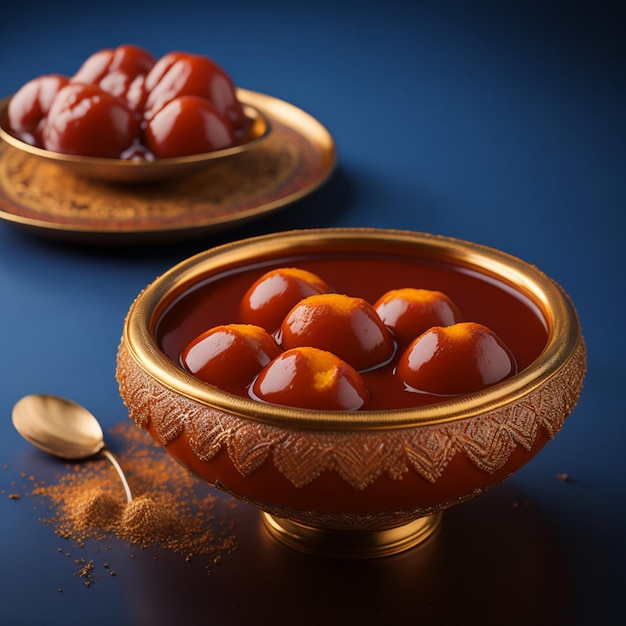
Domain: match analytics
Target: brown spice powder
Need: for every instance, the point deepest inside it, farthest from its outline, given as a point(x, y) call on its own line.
point(171, 509)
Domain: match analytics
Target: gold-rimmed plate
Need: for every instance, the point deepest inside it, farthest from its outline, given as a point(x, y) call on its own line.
point(294, 159)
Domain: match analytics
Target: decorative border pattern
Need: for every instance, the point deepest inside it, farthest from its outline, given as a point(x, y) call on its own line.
point(487, 440)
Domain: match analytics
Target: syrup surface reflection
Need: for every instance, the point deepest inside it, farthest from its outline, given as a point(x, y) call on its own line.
point(480, 299)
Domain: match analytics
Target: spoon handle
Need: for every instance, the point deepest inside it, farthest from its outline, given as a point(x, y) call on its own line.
point(118, 469)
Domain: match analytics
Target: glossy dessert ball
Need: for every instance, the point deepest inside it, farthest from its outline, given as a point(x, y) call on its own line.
point(109, 107)
point(184, 74)
point(454, 360)
point(29, 106)
point(409, 312)
point(230, 356)
point(187, 125)
point(344, 325)
point(127, 60)
point(83, 119)
point(119, 71)
point(273, 295)
point(310, 378)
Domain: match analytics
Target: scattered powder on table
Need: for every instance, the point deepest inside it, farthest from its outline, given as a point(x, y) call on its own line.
point(170, 509)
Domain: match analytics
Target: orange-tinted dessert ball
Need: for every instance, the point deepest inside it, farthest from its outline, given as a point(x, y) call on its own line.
point(409, 312)
point(346, 326)
point(313, 379)
point(272, 296)
point(231, 355)
point(454, 360)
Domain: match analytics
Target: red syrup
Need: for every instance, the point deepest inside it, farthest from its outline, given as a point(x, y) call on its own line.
point(506, 310)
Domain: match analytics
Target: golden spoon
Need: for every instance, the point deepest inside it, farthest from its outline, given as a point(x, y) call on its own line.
point(63, 428)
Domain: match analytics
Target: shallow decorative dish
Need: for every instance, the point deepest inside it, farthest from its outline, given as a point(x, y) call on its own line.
point(139, 171)
point(363, 483)
point(295, 159)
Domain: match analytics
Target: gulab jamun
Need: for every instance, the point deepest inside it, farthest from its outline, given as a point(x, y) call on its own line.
point(453, 360)
point(310, 378)
point(230, 356)
point(29, 106)
point(409, 312)
point(187, 125)
point(345, 325)
point(273, 295)
point(85, 120)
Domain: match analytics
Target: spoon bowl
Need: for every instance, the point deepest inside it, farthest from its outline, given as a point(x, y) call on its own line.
point(62, 428)
point(58, 426)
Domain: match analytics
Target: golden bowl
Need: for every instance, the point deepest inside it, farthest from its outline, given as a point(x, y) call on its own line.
point(140, 171)
point(364, 483)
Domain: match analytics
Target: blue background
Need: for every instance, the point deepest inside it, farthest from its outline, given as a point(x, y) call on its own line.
point(501, 123)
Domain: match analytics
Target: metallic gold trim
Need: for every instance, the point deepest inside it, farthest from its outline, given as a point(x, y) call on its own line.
point(119, 170)
point(360, 456)
point(351, 544)
point(296, 158)
point(559, 313)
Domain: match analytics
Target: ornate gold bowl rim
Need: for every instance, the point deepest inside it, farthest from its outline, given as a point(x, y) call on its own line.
point(564, 334)
point(121, 170)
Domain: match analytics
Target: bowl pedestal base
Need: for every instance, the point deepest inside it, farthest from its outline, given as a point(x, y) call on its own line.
point(347, 544)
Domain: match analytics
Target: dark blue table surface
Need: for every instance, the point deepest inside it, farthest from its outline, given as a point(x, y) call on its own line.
point(499, 123)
